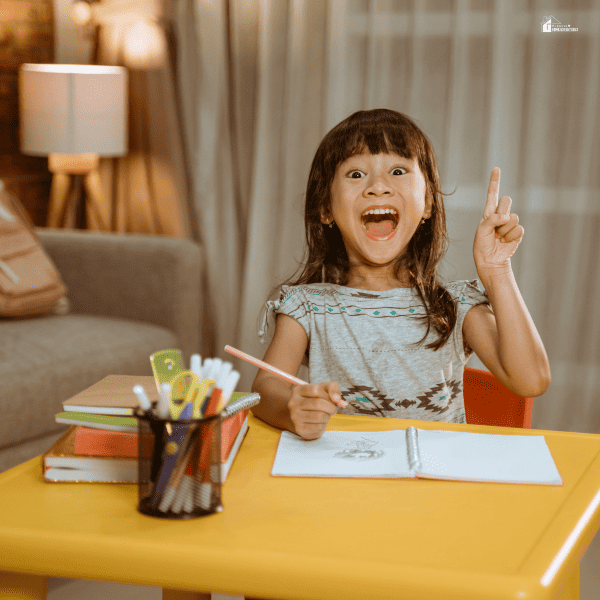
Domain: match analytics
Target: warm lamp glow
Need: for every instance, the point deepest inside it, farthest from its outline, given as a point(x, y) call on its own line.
point(144, 46)
point(81, 13)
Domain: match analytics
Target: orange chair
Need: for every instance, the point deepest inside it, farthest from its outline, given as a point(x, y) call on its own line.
point(489, 402)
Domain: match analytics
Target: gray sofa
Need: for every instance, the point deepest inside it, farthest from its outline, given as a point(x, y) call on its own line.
point(130, 295)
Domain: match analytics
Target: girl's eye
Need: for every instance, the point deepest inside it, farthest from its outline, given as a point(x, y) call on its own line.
point(359, 174)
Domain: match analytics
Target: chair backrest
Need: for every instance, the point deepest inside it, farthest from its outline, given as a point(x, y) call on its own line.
point(489, 402)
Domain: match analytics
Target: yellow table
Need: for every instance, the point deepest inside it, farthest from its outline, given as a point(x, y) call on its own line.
point(326, 539)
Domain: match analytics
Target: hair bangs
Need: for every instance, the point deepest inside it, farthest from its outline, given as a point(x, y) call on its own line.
point(383, 133)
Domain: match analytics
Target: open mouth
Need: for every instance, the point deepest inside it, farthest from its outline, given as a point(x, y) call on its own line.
point(380, 223)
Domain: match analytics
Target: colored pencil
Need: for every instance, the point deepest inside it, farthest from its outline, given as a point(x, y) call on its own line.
point(271, 369)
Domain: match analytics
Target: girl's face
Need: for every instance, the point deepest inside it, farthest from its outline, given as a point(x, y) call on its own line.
point(378, 201)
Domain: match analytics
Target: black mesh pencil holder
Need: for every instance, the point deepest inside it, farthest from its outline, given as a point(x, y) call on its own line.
point(179, 467)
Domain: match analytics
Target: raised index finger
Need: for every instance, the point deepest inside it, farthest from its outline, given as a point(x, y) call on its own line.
point(493, 191)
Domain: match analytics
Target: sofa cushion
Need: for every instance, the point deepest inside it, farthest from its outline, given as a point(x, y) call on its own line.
point(46, 360)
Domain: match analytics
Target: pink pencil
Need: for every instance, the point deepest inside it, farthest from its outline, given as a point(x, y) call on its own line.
point(272, 369)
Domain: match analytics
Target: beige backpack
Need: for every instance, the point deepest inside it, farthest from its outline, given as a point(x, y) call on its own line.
point(29, 282)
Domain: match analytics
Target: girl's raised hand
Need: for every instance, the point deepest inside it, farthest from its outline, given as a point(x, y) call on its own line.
point(311, 407)
point(498, 233)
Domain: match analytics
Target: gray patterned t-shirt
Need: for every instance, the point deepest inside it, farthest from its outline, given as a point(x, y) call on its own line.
point(362, 339)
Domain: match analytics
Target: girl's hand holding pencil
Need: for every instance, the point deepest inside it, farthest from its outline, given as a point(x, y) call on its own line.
point(311, 405)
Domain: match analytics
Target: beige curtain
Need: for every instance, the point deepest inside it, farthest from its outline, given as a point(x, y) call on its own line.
point(263, 81)
point(254, 80)
point(213, 148)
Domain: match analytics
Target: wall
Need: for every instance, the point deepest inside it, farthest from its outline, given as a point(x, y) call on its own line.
point(26, 35)
point(36, 31)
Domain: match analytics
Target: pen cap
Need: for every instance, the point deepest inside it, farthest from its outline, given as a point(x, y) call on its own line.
point(142, 397)
point(196, 364)
point(207, 368)
point(223, 374)
point(232, 381)
point(164, 399)
point(215, 367)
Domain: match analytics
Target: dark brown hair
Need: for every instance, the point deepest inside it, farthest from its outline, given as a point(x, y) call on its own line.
point(379, 131)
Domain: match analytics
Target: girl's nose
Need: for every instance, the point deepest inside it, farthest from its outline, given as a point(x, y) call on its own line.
point(378, 186)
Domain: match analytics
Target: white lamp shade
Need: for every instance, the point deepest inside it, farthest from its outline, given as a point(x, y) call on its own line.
point(73, 109)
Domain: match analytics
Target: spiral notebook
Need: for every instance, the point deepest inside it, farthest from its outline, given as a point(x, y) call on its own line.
point(418, 453)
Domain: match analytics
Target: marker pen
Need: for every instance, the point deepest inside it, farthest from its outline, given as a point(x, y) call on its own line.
point(143, 399)
point(196, 365)
point(164, 399)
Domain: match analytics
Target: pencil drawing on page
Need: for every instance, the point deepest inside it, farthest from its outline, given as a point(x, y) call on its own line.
point(360, 450)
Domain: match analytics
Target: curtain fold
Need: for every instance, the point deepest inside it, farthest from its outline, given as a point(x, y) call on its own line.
point(264, 80)
point(204, 79)
point(291, 84)
point(148, 188)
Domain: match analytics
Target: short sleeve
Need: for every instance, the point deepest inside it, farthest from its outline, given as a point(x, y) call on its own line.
point(291, 302)
point(467, 294)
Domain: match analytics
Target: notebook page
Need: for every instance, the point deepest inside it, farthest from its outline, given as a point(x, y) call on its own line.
point(486, 457)
point(343, 454)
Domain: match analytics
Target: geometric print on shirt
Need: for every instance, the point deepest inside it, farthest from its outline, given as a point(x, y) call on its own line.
point(366, 400)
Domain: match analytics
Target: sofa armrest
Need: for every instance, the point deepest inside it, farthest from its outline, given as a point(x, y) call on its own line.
point(146, 278)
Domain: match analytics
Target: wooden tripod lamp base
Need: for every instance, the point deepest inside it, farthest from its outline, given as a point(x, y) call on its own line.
point(62, 208)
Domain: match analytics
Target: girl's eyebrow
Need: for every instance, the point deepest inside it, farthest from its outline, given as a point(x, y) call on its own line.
point(354, 163)
point(359, 157)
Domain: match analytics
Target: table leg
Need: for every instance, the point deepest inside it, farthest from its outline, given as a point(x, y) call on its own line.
point(20, 586)
point(571, 589)
point(183, 595)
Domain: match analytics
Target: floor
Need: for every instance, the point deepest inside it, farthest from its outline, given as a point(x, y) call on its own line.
point(71, 589)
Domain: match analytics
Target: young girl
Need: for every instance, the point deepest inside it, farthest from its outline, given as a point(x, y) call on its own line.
point(380, 334)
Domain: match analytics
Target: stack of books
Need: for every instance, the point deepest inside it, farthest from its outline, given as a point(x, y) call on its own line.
point(101, 444)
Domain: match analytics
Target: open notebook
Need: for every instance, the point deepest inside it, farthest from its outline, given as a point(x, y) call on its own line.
point(431, 454)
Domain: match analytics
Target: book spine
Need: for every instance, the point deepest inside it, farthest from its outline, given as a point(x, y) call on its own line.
point(412, 446)
point(96, 442)
point(229, 431)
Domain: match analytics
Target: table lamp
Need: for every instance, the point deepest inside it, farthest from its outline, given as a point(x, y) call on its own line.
point(74, 114)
